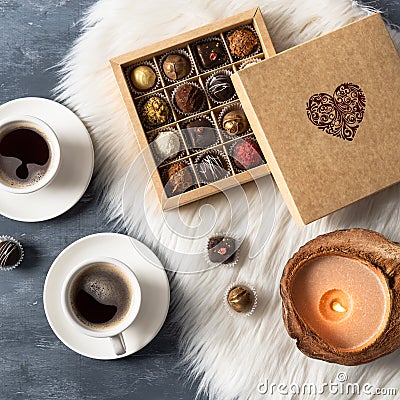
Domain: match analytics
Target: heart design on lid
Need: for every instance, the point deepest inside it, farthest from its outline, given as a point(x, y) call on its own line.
point(339, 115)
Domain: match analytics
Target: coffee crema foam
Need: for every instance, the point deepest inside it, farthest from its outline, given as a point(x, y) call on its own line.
point(8, 167)
point(101, 296)
point(24, 150)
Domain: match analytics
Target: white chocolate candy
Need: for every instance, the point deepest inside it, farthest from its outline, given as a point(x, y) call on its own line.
point(166, 144)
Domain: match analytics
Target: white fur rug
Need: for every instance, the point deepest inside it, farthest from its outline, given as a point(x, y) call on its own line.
point(231, 356)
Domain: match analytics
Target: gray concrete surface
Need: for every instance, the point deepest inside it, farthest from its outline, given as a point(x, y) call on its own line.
point(34, 364)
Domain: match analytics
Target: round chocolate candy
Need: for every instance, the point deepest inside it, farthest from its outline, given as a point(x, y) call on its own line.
point(166, 144)
point(155, 111)
point(242, 42)
point(246, 154)
point(143, 78)
point(11, 253)
point(176, 66)
point(189, 98)
point(212, 166)
point(241, 299)
point(235, 122)
point(220, 87)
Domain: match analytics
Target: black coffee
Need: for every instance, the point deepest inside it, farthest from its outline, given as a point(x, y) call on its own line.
point(24, 157)
point(100, 296)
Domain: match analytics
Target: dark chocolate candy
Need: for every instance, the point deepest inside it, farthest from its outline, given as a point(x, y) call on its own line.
point(220, 87)
point(200, 133)
point(221, 249)
point(176, 66)
point(178, 178)
point(211, 167)
point(10, 253)
point(189, 98)
point(211, 54)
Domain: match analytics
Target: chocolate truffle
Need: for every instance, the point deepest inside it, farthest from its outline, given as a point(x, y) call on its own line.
point(220, 87)
point(200, 133)
point(179, 179)
point(246, 154)
point(241, 299)
point(211, 167)
point(11, 253)
point(189, 98)
point(235, 122)
point(176, 66)
point(211, 54)
point(155, 111)
point(242, 42)
point(143, 78)
point(166, 144)
point(221, 249)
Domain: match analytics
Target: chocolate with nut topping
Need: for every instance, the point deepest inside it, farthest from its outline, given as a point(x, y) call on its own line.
point(242, 42)
point(179, 179)
point(155, 111)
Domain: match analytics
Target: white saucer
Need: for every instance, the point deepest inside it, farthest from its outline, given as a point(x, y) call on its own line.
point(76, 167)
point(152, 278)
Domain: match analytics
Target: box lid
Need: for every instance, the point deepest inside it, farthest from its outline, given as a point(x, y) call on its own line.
point(326, 115)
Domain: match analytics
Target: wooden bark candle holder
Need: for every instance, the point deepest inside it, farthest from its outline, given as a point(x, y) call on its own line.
point(341, 297)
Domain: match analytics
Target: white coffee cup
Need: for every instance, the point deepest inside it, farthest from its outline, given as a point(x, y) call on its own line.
point(115, 333)
point(35, 124)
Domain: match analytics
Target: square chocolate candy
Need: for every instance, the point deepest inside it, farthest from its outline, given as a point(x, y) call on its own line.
point(211, 54)
point(222, 249)
point(200, 133)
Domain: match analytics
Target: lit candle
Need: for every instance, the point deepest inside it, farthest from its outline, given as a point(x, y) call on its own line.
point(336, 298)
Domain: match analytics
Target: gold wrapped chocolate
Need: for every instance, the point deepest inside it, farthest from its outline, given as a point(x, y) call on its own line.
point(241, 299)
point(155, 111)
point(143, 77)
point(235, 122)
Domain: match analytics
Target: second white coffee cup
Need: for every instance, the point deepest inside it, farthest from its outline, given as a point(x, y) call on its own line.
point(115, 332)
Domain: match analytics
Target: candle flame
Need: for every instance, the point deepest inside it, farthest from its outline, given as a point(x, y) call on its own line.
point(336, 306)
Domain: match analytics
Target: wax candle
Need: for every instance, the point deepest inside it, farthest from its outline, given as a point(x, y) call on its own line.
point(337, 300)
point(343, 299)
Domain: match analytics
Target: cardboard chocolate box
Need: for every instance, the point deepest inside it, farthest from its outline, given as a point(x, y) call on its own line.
point(330, 127)
point(209, 164)
point(325, 113)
